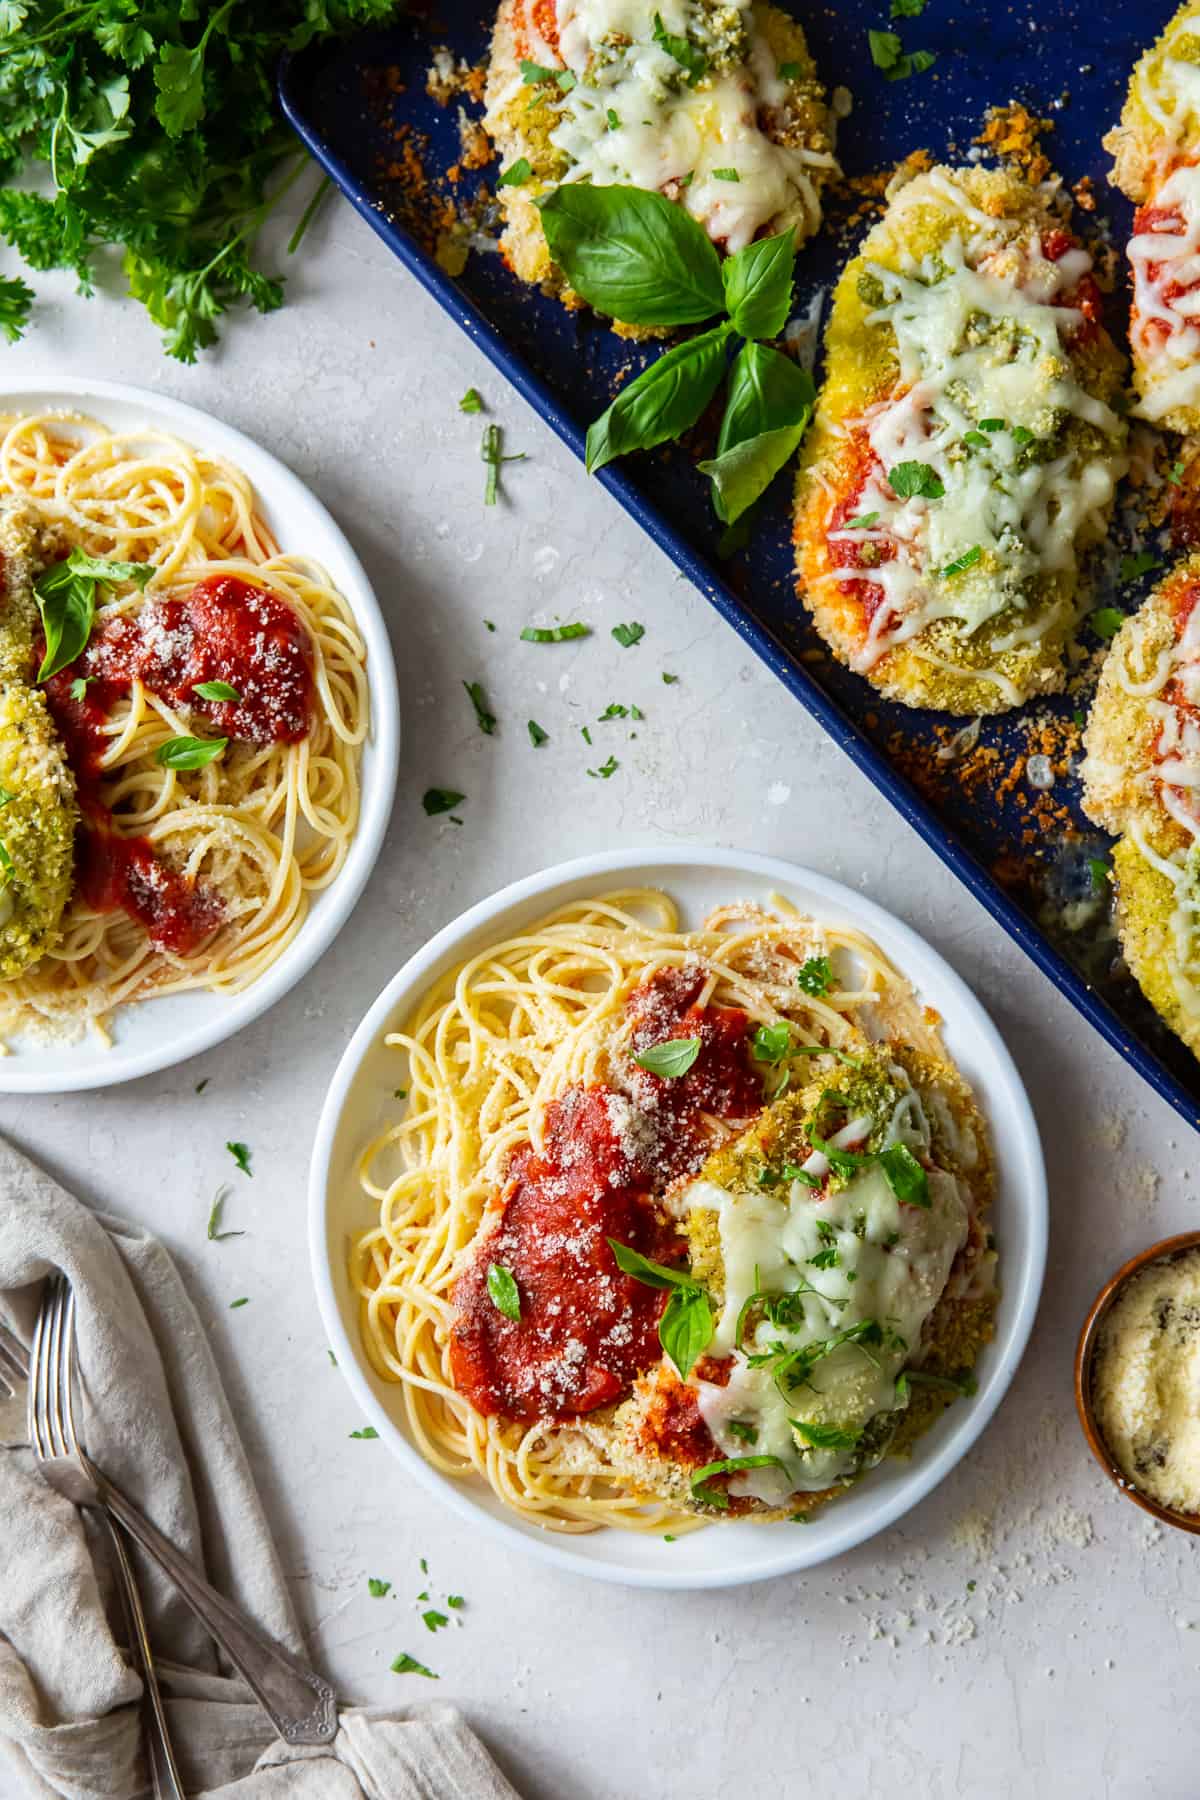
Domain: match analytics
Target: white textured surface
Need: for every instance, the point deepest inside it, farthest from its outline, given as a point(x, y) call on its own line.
point(1071, 1668)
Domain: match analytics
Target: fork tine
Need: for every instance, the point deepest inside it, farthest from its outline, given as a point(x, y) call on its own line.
point(10, 1368)
point(66, 1384)
point(13, 1350)
point(58, 1436)
point(37, 1377)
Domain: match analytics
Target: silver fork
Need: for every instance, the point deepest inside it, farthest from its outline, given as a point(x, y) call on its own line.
point(299, 1703)
point(15, 1375)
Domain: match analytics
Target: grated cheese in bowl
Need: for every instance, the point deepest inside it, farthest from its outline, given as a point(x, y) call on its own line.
point(1146, 1380)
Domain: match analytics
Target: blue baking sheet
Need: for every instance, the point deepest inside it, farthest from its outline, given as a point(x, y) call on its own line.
point(364, 112)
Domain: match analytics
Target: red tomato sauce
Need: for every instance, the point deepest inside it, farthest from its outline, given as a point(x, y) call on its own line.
point(1152, 333)
point(1084, 297)
point(586, 1329)
point(846, 553)
point(222, 630)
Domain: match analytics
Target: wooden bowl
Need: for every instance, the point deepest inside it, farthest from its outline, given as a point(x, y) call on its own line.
point(1172, 1246)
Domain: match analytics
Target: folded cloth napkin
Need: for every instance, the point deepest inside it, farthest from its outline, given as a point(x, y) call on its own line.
point(159, 1424)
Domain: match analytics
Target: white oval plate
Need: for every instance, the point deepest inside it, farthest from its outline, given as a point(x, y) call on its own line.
point(155, 1034)
point(360, 1100)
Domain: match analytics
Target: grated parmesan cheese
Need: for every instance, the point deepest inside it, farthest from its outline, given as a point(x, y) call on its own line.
point(1146, 1381)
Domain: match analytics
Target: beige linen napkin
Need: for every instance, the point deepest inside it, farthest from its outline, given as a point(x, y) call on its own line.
point(159, 1424)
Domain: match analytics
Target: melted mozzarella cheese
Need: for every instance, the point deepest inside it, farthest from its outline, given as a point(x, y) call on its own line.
point(1165, 326)
point(977, 337)
point(893, 1263)
point(632, 119)
point(1167, 83)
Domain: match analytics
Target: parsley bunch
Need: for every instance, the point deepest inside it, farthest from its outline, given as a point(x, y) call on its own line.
point(158, 133)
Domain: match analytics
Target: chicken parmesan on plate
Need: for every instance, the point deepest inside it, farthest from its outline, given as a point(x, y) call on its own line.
point(713, 103)
point(674, 1227)
point(966, 447)
point(1142, 782)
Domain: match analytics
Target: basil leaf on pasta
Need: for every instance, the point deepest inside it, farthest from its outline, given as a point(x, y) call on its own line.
point(189, 752)
point(906, 1178)
point(66, 598)
point(217, 690)
point(653, 1274)
point(826, 1437)
point(670, 1059)
point(633, 254)
point(504, 1292)
point(686, 1327)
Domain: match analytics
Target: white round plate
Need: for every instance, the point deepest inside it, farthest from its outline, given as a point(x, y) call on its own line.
point(360, 1100)
point(156, 1034)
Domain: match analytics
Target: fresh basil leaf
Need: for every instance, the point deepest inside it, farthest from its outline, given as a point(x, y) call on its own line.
point(768, 408)
point(670, 1059)
point(633, 254)
point(747, 471)
point(846, 1162)
point(686, 1327)
point(505, 1294)
point(909, 478)
point(772, 1043)
point(815, 976)
point(189, 752)
point(651, 1274)
point(66, 598)
point(217, 690)
point(682, 50)
point(664, 400)
point(826, 1437)
point(537, 736)
point(758, 285)
point(863, 522)
point(906, 1178)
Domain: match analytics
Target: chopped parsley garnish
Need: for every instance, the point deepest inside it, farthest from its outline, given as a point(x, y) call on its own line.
point(440, 800)
point(815, 976)
point(669, 680)
point(908, 1379)
point(863, 522)
point(408, 1665)
point(670, 1059)
point(907, 9)
point(1175, 474)
point(606, 769)
point(244, 1301)
point(628, 635)
point(726, 175)
point(1140, 563)
point(537, 736)
point(991, 424)
point(852, 1062)
point(907, 479)
point(217, 690)
point(1021, 435)
point(201, 1085)
point(554, 634)
point(79, 686)
point(1099, 872)
point(434, 1620)
point(490, 623)
point(788, 71)
point(516, 173)
point(614, 122)
point(585, 734)
point(376, 1588)
point(491, 451)
point(456, 1601)
point(214, 1218)
point(976, 440)
point(888, 54)
point(682, 50)
point(532, 72)
point(365, 1431)
point(829, 1258)
point(471, 402)
point(241, 1156)
point(614, 711)
point(906, 1178)
point(16, 300)
point(738, 1428)
point(485, 720)
point(505, 1295)
point(1106, 621)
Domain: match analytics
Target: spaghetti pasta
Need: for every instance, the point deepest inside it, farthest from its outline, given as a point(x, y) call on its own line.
point(481, 1067)
point(263, 825)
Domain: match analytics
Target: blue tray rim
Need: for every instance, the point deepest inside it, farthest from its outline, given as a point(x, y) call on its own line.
point(844, 732)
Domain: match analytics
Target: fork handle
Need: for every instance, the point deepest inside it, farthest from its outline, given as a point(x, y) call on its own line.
point(160, 1753)
point(299, 1703)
